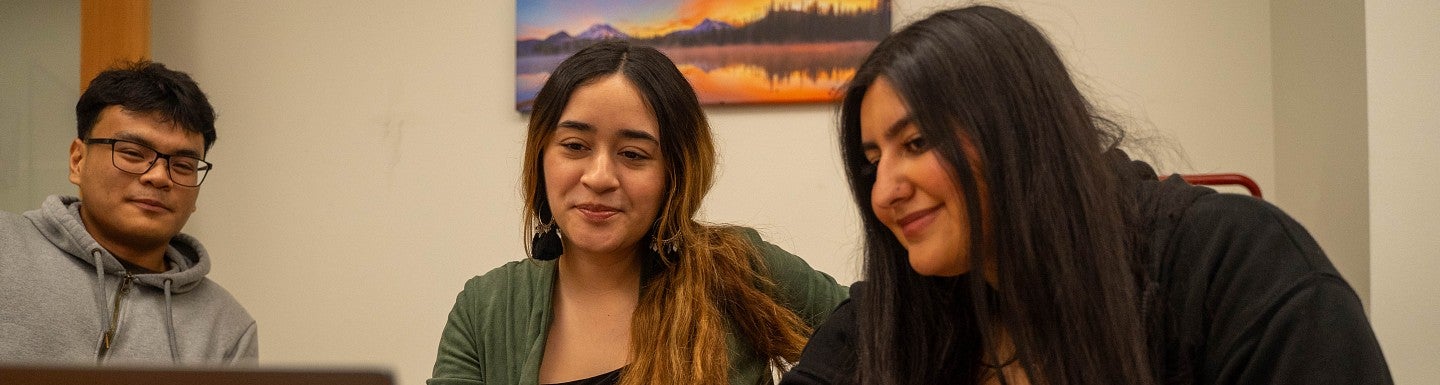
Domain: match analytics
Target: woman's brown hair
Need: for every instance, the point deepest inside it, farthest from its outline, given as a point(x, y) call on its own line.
point(712, 280)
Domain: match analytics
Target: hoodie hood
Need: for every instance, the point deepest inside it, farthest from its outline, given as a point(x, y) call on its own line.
point(1155, 207)
point(1158, 202)
point(58, 219)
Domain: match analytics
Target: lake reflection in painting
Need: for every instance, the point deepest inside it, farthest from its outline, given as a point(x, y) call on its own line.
point(738, 52)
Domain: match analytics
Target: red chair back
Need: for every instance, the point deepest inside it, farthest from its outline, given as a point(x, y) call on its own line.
point(1222, 180)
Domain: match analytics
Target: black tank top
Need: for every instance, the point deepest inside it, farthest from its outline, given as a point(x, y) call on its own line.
point(611, 378)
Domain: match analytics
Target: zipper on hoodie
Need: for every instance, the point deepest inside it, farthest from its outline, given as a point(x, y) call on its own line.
point(109, 336)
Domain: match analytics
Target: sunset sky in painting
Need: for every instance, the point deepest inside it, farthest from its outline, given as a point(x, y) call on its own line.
point(646, 18)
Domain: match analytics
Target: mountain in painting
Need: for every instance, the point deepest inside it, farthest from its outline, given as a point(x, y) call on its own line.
point(709, 25)
point(558, 37)
point(602, 31)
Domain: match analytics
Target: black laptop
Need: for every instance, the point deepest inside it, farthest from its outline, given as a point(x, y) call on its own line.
point(93, 375)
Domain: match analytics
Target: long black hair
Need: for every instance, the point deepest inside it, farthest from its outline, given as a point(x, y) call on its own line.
point(1065, 293)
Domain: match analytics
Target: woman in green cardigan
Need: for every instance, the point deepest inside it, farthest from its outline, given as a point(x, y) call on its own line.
point(624, 286)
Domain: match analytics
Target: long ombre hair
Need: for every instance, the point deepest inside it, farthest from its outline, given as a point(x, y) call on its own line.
point(713, 279)
point(1065, 291)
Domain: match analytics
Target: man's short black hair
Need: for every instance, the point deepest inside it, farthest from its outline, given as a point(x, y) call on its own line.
point(147, 87)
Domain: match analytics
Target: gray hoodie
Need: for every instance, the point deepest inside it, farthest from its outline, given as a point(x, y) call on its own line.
point(62, 295)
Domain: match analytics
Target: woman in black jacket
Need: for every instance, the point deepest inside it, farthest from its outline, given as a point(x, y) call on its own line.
point(1008, 240)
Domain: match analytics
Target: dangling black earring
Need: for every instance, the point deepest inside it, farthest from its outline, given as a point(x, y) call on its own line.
point(663, 246)
point(546, 244)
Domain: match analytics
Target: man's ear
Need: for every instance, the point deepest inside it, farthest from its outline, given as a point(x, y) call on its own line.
point(77, 159)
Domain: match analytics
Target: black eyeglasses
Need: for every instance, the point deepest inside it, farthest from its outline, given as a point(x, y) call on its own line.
point(136, 158)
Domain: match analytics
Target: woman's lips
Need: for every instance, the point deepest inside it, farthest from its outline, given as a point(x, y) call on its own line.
point(596, 213)
point(915, 224)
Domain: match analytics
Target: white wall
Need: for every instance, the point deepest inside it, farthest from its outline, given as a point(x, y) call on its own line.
point(367, 154)
point(1194, 75)
point(39, 82)
point(365, 166)
point(1320, 128)
point(1402, 44)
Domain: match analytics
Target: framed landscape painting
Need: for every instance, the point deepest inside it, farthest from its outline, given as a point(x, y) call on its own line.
point(731, 51)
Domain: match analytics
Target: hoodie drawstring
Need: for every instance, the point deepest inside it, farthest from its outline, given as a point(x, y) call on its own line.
point(100, 301)
point(107, 335)
point(170, 325)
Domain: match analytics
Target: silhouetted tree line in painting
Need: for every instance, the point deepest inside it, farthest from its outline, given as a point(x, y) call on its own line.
point(809, 24)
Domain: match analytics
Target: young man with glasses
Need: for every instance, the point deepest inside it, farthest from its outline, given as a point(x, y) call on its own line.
point(107, 277)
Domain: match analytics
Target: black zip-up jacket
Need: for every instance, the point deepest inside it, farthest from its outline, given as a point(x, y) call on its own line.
point(1237, 293)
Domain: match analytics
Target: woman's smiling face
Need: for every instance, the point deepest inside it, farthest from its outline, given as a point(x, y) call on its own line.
point(604, 173)
point(914, 194)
